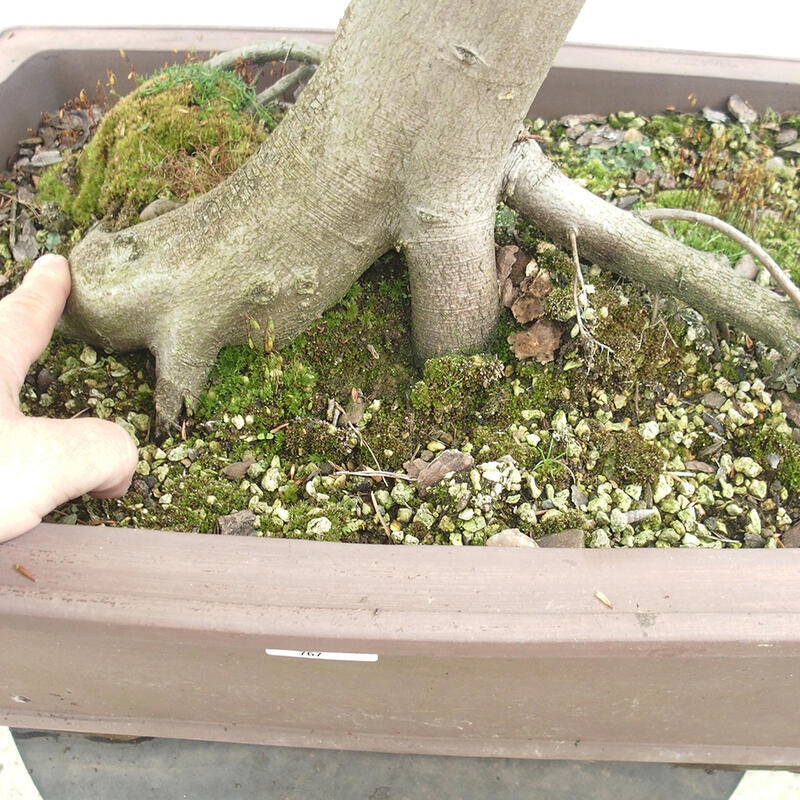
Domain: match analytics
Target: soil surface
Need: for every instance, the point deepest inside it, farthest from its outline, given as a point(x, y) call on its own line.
point(603, 415)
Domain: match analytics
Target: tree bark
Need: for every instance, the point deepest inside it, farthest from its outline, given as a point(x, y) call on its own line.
point(399, 140)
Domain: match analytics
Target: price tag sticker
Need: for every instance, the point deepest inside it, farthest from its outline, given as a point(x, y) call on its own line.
point(320, 655)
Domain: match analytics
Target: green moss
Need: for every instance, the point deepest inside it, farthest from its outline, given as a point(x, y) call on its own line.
point(628, 458)
point(769, 441)
point(559, 521)
point(177, 136)
point(455, 389)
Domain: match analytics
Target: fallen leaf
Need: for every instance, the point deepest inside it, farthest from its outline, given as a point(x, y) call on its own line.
point(238, 469)
point(447, 461)
point(526, 309)
point(540, 341)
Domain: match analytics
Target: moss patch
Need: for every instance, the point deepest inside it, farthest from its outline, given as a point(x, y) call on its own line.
point(181, 133)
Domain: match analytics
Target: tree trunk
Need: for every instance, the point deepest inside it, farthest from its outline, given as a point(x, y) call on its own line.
point(399, 140)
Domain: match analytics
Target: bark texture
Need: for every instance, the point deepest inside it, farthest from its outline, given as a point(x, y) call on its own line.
point(399, 140)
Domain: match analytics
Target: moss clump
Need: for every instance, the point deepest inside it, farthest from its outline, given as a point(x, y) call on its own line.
point(455, 390)
point(178, 135)
point(628, 458)
point(559, 521)
point(364, 342)
point(769, 442)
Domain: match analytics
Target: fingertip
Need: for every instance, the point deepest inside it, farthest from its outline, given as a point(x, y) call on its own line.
point(51, 261)
point(121, 460)
point(51, 267)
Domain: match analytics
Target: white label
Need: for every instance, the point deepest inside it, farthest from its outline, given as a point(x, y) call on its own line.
point(323, 656)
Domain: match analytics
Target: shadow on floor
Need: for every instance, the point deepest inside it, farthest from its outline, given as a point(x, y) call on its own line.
point(75, 767)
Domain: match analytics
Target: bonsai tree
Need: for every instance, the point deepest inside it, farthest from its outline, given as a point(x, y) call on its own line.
point(407, 136)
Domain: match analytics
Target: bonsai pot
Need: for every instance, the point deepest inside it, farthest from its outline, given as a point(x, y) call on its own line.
point(666, 655)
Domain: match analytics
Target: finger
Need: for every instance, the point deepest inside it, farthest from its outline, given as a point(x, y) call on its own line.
point(88, 456)
point(62, 460)
point(28, 316)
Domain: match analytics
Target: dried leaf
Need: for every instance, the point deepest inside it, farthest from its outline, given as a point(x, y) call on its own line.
point(537, 283)
point(504, 260)
point(447, 461)
point(540, 341)
point(238, 469)
point(526, 309)
point(791, 408)
point(700, 466)
point(511, 266)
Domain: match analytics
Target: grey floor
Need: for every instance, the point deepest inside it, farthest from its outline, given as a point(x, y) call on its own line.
point(74, 767)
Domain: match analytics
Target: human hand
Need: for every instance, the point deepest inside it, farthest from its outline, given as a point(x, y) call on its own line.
point(45, 462)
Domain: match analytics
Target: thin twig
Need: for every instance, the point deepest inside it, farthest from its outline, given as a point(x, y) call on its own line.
point(742, 239)
point(284, 84)
point(577, 282)
point(385, 527)
point(375, 473)
point(358, 433)
point(264, 52)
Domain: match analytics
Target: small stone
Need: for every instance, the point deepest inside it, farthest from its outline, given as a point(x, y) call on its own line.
point(791, 538)
point(746, 267)
point(425, 516)
point(663, 488)
point(319, 527)
point(141, 422)
point(713, 399)
point(571, 537)
point(240, 523)
point(88, 356)
point(45, 158)
point(747, 466)
point(510, 537)
point(238, 469)
point(178, 453)
point(271, 481)
point(649, 430)
point(787, 135)
point(44, 379)
point(598, 538)
point(754, 540)
point(403, 492)
point(742, 110)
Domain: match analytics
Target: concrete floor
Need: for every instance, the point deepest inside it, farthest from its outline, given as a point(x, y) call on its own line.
point(74, 767)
